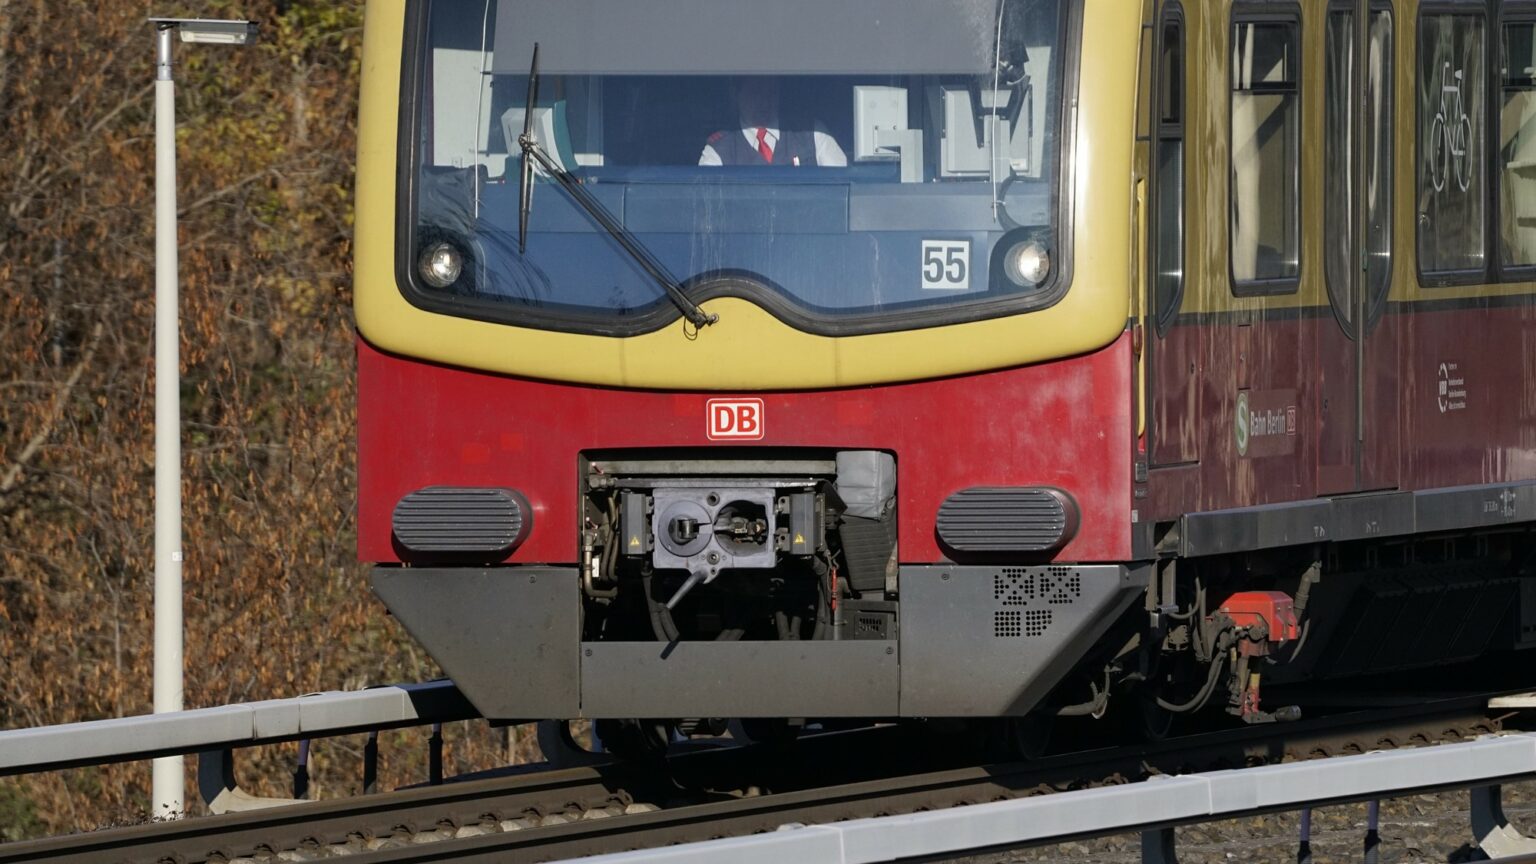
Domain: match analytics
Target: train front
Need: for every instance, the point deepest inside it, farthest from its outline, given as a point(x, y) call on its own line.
point(749, 360)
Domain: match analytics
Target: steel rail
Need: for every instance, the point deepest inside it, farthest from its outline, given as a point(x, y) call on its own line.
point(284, 828)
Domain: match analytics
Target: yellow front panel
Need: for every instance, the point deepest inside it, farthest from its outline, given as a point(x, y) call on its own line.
point(1090, 316)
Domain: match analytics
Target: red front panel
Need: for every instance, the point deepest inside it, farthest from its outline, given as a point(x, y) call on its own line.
point(1065, 424)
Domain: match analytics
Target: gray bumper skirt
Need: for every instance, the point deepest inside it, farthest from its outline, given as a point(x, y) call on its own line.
point(970, 641)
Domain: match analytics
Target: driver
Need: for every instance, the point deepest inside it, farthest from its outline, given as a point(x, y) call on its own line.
point(760, 140)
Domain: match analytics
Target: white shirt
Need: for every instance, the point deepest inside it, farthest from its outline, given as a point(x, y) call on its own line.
point(828, 153)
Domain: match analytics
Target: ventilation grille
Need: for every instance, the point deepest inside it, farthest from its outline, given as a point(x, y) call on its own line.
point(1021, 586)
point(1017, 623)
point(1062, 586)
point(1008, 624)
point(450, 519)
point(1006, 519)
point(870, 627)
point(1014, 586)
point(1036, 621)
point(1026, 595)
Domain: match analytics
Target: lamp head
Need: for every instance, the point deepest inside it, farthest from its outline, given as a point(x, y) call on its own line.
point(209, 31)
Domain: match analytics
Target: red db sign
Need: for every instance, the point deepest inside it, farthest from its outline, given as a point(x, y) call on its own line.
point(734, 419)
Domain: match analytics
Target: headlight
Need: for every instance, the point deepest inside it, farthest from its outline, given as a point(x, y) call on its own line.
point(1027, 264)
point(441, 265)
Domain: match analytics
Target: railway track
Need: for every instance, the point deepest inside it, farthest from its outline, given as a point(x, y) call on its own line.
point(545, 815)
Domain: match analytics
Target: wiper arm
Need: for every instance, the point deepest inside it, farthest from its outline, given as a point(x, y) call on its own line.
point(525, 175)
point(642, 256)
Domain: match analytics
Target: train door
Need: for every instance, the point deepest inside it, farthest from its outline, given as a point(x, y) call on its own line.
point(1357, 350)
point(1173, 345)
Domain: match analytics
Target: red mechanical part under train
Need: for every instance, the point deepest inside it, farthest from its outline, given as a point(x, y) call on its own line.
point(1274, 609)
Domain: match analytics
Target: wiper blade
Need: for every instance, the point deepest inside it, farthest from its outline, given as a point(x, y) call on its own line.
point(525, 181)
point(642, 256)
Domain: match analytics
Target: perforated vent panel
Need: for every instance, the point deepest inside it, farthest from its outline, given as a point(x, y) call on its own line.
point(1062, 586)
point(870, 626)
point(1008, 624)
point(1025, 595)
point(1036, 622)
point(1014, 586)
point(1016, 628)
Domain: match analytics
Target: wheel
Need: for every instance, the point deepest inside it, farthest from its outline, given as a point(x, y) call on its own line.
point(634, 740)
point(560, 748)
point(772, 731)
point(1015, 739)
point(1151, 721)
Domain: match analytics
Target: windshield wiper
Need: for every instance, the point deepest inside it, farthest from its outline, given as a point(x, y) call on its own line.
point(532, 152)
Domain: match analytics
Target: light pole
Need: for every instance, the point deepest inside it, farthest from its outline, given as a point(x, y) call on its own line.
point(168, 788)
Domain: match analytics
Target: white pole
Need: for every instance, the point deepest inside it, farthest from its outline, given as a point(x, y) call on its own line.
point(169, 780)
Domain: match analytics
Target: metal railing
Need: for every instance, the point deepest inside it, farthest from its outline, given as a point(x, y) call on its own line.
point(215, 733)
point(1151, 807)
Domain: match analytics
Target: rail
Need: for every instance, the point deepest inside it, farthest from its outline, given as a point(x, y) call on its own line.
point(1151, 807)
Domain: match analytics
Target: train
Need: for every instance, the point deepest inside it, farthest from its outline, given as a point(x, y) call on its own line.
point(989, 360)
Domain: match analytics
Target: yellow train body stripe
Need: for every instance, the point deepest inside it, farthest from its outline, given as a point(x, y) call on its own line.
point(1208, 284)
point(750, 349)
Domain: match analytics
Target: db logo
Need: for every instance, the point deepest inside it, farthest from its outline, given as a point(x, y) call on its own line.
point(735, 419)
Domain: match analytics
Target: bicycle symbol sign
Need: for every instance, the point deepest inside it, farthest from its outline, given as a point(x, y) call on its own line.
point(1450, 135)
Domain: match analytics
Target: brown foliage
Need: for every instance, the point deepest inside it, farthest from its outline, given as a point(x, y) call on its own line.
point(275, 603)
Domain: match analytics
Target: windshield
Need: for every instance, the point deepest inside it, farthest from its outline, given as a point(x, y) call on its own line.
point(847, 164)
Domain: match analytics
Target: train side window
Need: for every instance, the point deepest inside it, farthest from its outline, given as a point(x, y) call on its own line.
point(1452, 194)
point(1517, 144)
point(1380, 121)
point(1168, 184)
point(1339, 160)
point(1265, 194)
point(1341, 192)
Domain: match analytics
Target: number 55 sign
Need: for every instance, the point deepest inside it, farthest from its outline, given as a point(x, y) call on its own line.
point(946, 265)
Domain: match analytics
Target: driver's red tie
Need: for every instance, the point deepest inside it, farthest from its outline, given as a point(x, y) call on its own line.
point(762, 145)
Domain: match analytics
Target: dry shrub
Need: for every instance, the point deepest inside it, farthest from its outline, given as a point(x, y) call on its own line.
point(275, 603)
